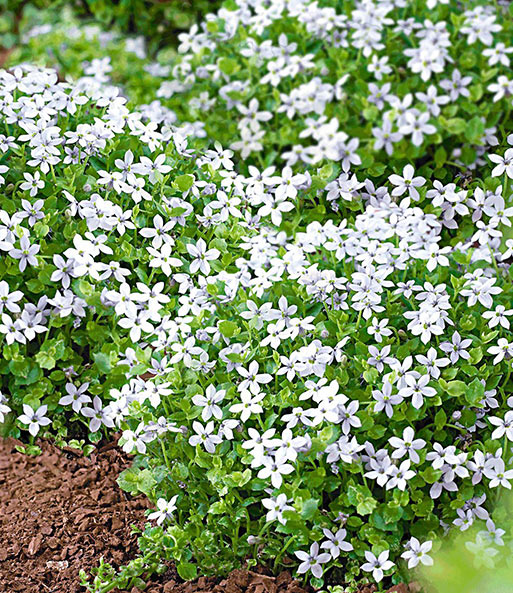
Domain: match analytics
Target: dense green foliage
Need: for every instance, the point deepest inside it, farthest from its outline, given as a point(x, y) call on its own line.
point(160, 21)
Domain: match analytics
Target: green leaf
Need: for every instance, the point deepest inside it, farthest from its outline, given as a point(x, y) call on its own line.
point(440, 419)
point(476, 92)
point(83, 288)
point(476, 354)
point(318, 182)
point(19, 368)
point(392, 513)
point(371, 376)
point(475, 392)
point(370, 113)
point(474, 130)
point(178, 211)
point(366, 506)
point(228, 328)
point(228, 65)
point(362, 498)
point(489, 336)
point(440, 157)
point(309, 508)
point(326, 172)
point(431, 475)
point(102, 361)
point(424, 508)
point(238, 479)
point(187, 570)
point(456, 388)
point(45, 360)
point(184, 182)
point(456, 125)
point(134, 480)
point(377, 169)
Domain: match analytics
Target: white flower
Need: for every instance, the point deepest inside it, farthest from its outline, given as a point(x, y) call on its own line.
point(275, 468)
point(456, 349)
point(417, 125)
point(162, 258)
point(385, 399)
point(249, 405)
point(407, 445)
point(502, 349)
point(26, 253)
point(276, 507)
point(498, 475)
point(34, 418)
point(99, 414)
point(378, 328)
point(252, 378)
point(498, 316)
point(165, 510)
point(399, 476)
point(417, 388)
point(4, 408)
point(32, 183)
point(204, 436)
point(209, 403)
point(504, 426)
point(335, 542)
point(13, 330)
point(312, 561)
point(9, 299)
point(377, 564)
point(417, 552)
point(77, 396)
point(201, 256)
point(407, 183)
point(504, 164)
point(133, 440)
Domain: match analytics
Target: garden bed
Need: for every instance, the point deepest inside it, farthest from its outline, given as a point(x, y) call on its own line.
point(276, 261)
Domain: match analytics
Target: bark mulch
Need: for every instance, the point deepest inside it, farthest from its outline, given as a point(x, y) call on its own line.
point(60, 512)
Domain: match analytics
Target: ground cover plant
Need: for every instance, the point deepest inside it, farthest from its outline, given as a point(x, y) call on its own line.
point(297, 310)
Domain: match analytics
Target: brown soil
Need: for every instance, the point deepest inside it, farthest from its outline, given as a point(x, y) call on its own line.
point(60, 512)
point(238, 581)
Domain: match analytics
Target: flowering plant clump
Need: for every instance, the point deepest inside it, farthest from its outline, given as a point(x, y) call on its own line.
point(98, 208)
point(305, 338)
point(345, 407)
